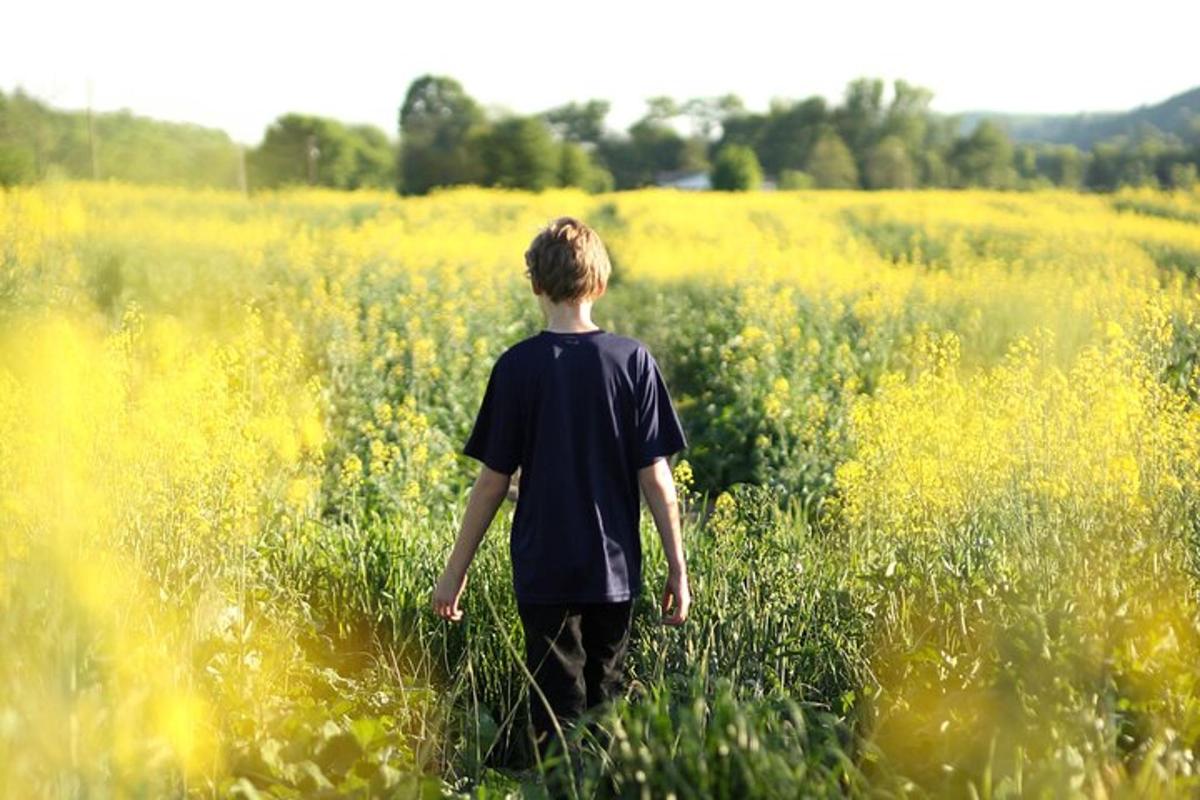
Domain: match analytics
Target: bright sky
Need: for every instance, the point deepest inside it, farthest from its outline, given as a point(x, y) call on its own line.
point(239, 65)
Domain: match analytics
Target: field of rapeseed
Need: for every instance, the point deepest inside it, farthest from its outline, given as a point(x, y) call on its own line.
point(941, 495)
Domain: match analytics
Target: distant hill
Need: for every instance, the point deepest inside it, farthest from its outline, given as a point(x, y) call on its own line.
point(1177, 116)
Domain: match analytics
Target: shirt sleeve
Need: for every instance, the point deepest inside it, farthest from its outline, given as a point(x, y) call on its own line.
point(659, 432)
point(495, 439)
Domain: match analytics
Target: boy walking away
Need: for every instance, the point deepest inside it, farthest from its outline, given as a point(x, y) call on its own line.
point(585, 416)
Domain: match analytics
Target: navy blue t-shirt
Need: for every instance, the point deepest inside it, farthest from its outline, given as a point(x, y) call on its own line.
point(580, 414)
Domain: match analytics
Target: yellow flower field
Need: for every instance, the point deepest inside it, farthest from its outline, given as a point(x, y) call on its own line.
point(946, 444)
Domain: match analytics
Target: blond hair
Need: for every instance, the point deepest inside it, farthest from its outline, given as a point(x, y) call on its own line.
point(568, 262)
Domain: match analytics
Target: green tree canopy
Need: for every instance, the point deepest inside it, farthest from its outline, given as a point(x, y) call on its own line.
point(860, 116)
point(745, 128)
point(519, 153)
point(908, 116)
point(736, 168)
point(439, 127)
point(651, 146)
point(579, 122)
point(790, 179)
point(299, 149)
point(789, 133)
point(831, 164)
point(1063, 164)
point(984, 158)
point(889, 165)
point(578, 168)
point(707, 113)
point(374, 157)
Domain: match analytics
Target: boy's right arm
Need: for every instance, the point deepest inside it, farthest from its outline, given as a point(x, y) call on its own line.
point(658, 487)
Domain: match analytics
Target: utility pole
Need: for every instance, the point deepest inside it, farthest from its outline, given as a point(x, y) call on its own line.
point(241, 177)
point(92, 133)
point(313, 152)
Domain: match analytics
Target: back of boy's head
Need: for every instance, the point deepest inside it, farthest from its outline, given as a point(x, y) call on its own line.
point(568, 262)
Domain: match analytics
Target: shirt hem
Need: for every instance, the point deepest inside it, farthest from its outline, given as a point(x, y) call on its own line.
point(493, 465)
point(650, 459)
point(617, 598)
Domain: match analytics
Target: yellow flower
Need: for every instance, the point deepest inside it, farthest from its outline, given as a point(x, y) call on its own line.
point(312, 433)
point(1124, 473)
point(352, 471)
point(683, 474)
point(379, 458)
point(752, 335)
point(299, 493)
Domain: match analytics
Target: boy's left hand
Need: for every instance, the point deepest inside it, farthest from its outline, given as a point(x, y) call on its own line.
point(445, 596)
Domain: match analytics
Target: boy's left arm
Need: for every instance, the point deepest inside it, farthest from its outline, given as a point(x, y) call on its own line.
point(487, 494)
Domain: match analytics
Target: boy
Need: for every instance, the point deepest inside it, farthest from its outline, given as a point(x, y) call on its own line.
point(585, 416)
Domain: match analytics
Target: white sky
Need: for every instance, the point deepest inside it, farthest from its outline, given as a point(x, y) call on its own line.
point(239, 65)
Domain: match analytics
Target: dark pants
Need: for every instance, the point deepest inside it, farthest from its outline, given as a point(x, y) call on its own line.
point(576, 653)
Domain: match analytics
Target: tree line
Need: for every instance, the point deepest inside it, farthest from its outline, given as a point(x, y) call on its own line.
point(38, 142)
point(445, 138)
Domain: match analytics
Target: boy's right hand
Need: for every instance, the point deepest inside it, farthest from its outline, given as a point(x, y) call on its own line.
point(446, 595)
point(676, 594)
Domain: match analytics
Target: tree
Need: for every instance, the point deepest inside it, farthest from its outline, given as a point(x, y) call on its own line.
point(932, 158)
point(1025, 162)
point(652, 146)
point(577, 168)
point(860, 116)
point(519, 153)
point(579, 123)
point(984, 158)
point(907, 116)
point(620, 158)
point(789, 134)
point(1150, 152)
point(889, 165)
point(831, 163)
point(1063, 164)
point(1129, 161)
point(747, 129)
point(695, 154)
point(736, 169)
point(374, 157)
point(707, 113)
point(439, 126)
point(1105, 166)
point(1182, 176)
point(795, 179)
point(299, 149)
point(657, 148)
point(662, 109)
point(17, 164)
point(574, 166)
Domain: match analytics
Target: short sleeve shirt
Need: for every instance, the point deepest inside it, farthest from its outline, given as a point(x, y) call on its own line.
point(580, 414)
